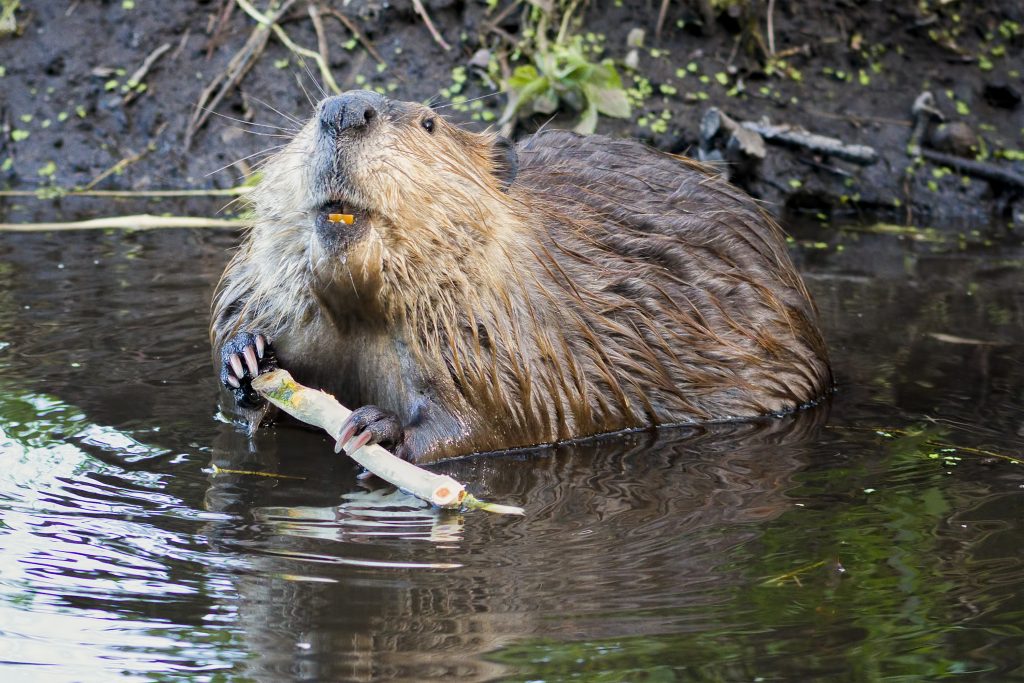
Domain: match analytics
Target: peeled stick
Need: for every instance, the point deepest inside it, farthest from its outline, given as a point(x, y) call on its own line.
point(322, 410)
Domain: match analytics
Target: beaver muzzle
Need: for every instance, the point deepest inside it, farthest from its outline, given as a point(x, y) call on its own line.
point(350, 112)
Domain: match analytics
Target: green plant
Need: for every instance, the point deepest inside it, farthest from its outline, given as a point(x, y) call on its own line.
point(562, 74)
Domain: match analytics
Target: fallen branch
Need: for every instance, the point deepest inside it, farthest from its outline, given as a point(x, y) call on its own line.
point(322, 410)
point(136, 222)
point(796, 136)
point(978, 169)
point(52, 192)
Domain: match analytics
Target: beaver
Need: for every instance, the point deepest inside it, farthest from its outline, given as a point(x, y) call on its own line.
point(481, 296)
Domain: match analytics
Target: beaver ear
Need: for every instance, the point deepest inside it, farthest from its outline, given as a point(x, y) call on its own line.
point(506, 161)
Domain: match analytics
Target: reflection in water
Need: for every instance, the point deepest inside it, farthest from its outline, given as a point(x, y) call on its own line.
point(876, 537)
point(643, 525)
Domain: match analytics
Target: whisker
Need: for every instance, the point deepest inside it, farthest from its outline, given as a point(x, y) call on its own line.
point(276, 111)
point(250, 123)
point(313, 79)
point(246, 158)
point(482, 97)
point(302, 86)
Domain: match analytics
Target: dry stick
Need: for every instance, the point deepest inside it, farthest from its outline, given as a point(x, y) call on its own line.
point(227, 9)
point(422, 11)
point(354, 30)
point(181, 44)
point(979, 169)
point(129, 194)
point(795, 136)
point(297, 50)
point(226, 80)
point(503, 14)
point(137, 222)
point(141, 72)
point(321, 37)
point(322, 410)
point(771, 27)
point(118, 167)
point(661, 19)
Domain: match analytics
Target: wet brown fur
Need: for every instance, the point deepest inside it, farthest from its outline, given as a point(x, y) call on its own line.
point(608, 287)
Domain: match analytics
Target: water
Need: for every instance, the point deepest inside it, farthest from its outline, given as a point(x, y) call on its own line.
point(875, 538)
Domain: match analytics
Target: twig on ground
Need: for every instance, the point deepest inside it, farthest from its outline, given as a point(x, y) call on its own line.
point(978, 169)
point(227, 9)
point(771, 28)
point(118, 167)
point(226, 80)
point(322, 410)
point(136, 78)
point(798, 137)
point(501, 16)
point(662, 13)
point(137, 222)
point(297, 50)
point(354, 30)
point(321, 36)
point(51, 192)
point(181, 44)
point(422, 11)
point(925, 113)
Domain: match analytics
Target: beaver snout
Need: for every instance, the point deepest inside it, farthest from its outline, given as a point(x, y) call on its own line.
point(352, 110)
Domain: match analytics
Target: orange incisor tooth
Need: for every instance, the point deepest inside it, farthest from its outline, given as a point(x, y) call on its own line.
point(345, 218)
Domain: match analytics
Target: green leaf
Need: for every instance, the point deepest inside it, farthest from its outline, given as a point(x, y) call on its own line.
point(523, 76)
point(609, 101)
point(588, 122)
point(523, 96)
point(605, 76)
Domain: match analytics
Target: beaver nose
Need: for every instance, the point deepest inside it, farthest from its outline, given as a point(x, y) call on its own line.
point(349, 110)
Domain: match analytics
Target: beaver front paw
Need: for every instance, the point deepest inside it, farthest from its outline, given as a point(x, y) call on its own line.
point(244, 357)
point(369, 424)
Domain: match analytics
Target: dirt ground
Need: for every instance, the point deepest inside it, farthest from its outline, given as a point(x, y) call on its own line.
point(72, 116)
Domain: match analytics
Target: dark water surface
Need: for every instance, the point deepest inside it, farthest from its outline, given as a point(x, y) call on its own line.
point(879, 537)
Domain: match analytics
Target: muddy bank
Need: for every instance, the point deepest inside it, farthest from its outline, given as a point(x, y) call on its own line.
point(72, 115)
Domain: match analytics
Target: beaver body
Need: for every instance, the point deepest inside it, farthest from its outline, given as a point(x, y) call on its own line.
point(487, 297)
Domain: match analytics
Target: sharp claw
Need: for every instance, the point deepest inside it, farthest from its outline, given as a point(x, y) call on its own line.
point(236, 366)
point(233, 381)
point(250, 360)
point(346, 434)
point(358, 442)
point(261, 346)
point(342, 436)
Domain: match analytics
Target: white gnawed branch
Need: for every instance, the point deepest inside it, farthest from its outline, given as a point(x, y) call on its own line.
point(322, 410)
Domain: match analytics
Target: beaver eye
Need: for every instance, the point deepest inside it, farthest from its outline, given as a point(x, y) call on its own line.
point(428, 124)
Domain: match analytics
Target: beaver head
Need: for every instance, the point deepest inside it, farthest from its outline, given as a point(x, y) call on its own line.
point(418, 189)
